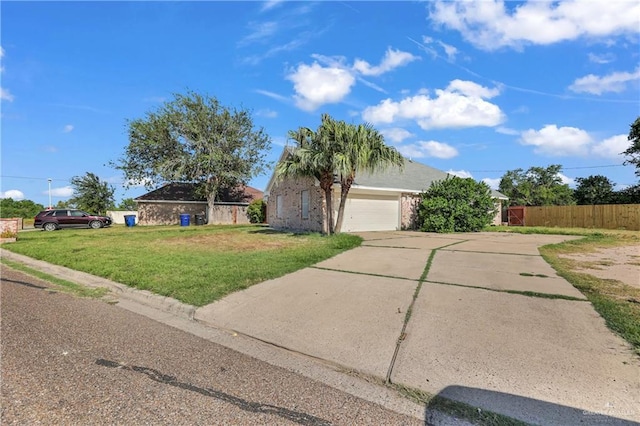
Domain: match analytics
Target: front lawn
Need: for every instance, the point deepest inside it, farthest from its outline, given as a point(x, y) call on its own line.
point(196, 265)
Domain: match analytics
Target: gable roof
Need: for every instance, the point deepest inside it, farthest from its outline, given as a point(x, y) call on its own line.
point(414, 177)
point(184, 191)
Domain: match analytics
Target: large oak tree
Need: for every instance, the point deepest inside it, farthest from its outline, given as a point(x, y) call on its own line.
point(194, 138)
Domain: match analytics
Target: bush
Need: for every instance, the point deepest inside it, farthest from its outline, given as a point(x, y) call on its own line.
point(256, 211)
point(456, 205)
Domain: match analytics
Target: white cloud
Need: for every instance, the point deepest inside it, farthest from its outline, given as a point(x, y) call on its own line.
point(392, 59)
point(566, 141)
point(272, 95)
point(279, 140)
point(1, 52)
point(396, 134)
point(490, 25)
point(507, 131)
point(15, 194)
point(5, 95)
point(563, 141)
point(615, 82)
point(260, 32)
point(461, 104)
point(602, 59)
point(566, 180)
point(472, 89)
point(270, 4)
point(493, 183)
point(611, 147)
point(316, 85)
point(423, 149)
point(267, 113)
point(449, 50)
point(68, 128)
point(460, 173)
point(65, 191)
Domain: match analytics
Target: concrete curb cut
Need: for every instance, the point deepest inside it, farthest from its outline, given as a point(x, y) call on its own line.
point(144, 297)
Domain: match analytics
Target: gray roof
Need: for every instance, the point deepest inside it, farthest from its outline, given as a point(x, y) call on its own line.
point(414, 177)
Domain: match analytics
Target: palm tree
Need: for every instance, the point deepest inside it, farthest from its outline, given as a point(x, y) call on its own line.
point(361, 149)
point(313, 157)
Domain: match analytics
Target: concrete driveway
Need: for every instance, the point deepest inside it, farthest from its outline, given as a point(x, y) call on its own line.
point(491, 324)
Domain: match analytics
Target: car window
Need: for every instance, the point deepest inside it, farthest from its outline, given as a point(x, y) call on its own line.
point(59, 213)
point(77, 213)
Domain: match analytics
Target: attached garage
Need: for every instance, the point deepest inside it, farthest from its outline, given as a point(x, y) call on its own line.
point(366, 212)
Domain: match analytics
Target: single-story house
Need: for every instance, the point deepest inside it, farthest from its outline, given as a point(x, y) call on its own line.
point(382, 201)
point(163, 206)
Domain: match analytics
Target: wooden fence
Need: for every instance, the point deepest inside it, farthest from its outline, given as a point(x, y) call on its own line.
point(604, 216)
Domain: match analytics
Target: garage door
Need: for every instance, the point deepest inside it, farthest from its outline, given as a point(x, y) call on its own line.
point(371, 213)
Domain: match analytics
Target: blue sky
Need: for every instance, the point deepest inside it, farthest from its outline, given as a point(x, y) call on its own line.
point(476, 88)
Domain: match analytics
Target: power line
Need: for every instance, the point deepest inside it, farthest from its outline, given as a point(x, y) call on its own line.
point(564, 168)
point(34, 178)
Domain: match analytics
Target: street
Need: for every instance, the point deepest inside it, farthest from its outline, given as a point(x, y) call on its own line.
point(67, 360)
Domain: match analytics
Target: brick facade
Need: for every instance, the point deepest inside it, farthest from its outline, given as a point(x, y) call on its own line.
point(168, 213)
point(10, 227)
point(290, 191)
point(409, 211)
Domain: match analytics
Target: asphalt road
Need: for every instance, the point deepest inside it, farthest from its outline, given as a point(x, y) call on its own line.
point(67, 360)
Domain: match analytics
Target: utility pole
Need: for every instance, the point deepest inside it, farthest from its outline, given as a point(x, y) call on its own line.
point(49, 180)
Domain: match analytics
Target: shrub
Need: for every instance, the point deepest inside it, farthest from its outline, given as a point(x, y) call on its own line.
point(256, 211)
point(456, 205)
point(8, 234)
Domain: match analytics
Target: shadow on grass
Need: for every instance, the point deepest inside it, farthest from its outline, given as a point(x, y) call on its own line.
point(271, 231)
point(519, 410)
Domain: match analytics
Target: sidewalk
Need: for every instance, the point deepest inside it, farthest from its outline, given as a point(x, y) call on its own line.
point(543, 360)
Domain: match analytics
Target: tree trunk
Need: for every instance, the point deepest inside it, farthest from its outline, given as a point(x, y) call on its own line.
point(210, 205)
point(344, 191)
point(326, 184)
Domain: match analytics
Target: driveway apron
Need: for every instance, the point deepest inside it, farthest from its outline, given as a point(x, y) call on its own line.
point(491, 324)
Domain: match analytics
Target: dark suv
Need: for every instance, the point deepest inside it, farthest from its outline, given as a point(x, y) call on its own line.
point(50, 220)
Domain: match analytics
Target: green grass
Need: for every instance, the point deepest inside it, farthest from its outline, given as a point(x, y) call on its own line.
point(615, 301)
point(195, 265)
point(457, 409)
point(59, 284)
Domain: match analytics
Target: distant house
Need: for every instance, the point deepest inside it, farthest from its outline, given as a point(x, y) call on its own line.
point(382, 201)
point(163, 206)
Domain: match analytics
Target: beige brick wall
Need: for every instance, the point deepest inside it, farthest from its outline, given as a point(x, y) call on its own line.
point(10, 225)
point(408, 211)
point(291, 218)
point(150, 213)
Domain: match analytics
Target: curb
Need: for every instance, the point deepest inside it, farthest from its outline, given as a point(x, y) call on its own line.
point(122, 291)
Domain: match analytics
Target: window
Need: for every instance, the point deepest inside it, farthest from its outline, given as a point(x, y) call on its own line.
point(304, 195)
point(279, 206)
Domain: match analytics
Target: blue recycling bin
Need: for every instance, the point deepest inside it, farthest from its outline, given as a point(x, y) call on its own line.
point(130, 219)
point(185, 219)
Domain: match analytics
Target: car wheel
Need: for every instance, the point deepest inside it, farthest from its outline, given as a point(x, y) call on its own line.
point(95, 224)
point(49, 226)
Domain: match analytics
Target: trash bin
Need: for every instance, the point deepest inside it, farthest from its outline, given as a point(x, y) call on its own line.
point(185, 219)
point(130, 219)
point(200, 219)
